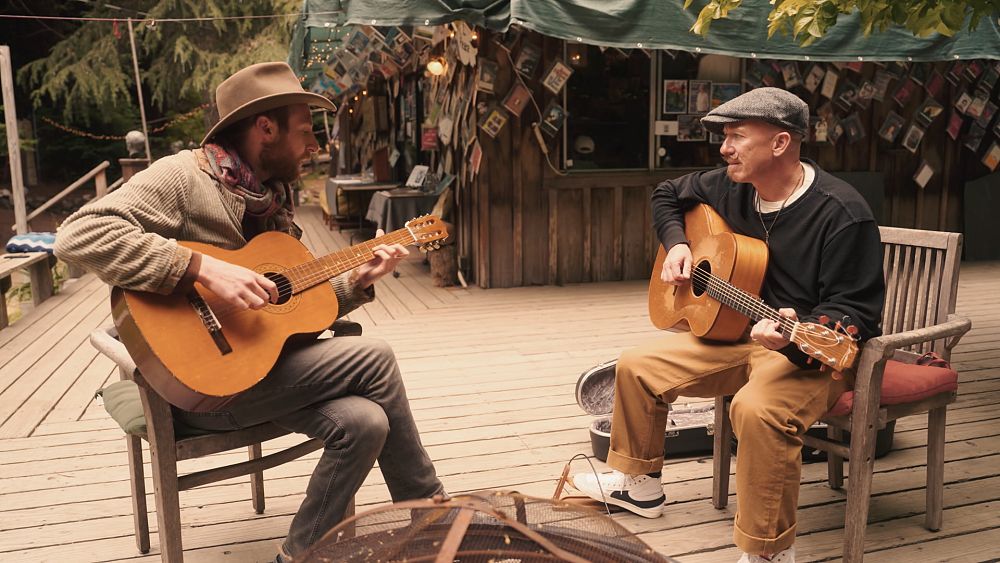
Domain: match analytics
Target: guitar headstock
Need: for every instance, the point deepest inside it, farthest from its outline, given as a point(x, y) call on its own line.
point(835, 349)
point(427, 231)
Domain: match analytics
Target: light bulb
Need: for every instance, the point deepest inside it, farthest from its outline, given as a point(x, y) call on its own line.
point(436, 66)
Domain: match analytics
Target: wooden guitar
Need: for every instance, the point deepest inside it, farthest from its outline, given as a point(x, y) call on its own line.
point(727, 273)
point(198, 352)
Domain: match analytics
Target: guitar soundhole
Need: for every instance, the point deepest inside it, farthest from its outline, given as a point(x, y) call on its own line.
point(700, 276)
point(284, 286)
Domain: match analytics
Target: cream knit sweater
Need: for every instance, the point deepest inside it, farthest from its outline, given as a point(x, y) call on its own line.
point(128, 238)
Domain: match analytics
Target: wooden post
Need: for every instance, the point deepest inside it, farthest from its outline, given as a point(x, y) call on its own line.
point(13, 142)
point(101, 184)
point(138, 91)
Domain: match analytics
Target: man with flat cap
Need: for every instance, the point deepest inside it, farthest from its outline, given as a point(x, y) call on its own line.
point(345, 391)
point(824, 258)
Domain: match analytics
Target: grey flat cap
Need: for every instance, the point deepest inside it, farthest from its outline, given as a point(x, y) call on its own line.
point(772, 105)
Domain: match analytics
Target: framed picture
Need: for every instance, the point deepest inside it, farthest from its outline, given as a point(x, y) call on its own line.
point(722, 92)
point(904, 91)
point(924, 174)
point(817, 129)
point(847, 95)
point(978, 105)
point(690, 129)
point(675, 96)
point(882, 79)
point(829, 88)
point(834, 129)
point(487, 77)
point(699, 96)
point(516, 99)
point(552, 119)
point(527, 59)
point(865, 94)
point(814, 77)
point(417, 175)
point(928, 111)
point(493, 121)
point(935, 84)
point(955, 122)
point(891, 127)
point(913, 136)
point(556, 77)
point(963, 102)
point(790, 72)
point(853, 128)
point(974, 137)
point(716, 138)
point(987, 115)
point(992, 157)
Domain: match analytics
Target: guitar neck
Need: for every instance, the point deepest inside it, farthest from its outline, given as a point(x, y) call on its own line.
point(742, 302)
point(323, 269)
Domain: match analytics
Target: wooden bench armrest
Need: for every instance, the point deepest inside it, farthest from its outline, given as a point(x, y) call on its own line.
point(954, 328)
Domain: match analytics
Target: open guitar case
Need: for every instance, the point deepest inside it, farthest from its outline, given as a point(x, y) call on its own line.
point(689, 429)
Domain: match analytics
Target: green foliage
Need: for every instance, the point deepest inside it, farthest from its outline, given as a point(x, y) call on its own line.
point(808, 20)
point(90, 74)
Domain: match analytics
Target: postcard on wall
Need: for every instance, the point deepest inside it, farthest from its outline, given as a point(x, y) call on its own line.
point(552, 119)
point(699, 96)
point(487, 76)
point(882, 79)
point(987, 115)
point(955, 123)
point(891, 127)
point(493, 121)
point(963, 102)
point(924, 174)
point(989, 79)
point(955, 70)
point(675, 96)
point(855, 66)
point(834, 129)
point(973, 69)
point(790, 72)
point(974, 137)
point(865, 94)
point(904, 91)
point(817, 129)
point(814, 77)
point(853, 128)
point(527, 59)
point(722, 92)
point(847, 95)
point(928, 111)
point(417, 175)
point(690, 129)
point(935, 84)
point(517, 99)
point(556, 77)
point(476, 158)
point(978, 105)
point(913, 137)
point(992, 157)
point(918, 73)
point(829, 89)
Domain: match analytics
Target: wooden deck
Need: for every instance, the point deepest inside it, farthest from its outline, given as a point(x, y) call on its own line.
point(491, 377)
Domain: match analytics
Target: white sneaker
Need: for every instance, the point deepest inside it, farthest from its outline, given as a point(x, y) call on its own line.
point(640, 494)
point(786, 556)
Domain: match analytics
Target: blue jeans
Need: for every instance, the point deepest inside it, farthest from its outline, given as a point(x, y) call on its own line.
point(346, 391)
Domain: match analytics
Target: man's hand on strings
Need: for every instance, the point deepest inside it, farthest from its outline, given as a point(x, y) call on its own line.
point(677, 265)
point(240, 287)
point(384, 260)
point(767, 334)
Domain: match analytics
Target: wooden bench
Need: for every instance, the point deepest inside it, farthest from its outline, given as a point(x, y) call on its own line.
point(38, 267)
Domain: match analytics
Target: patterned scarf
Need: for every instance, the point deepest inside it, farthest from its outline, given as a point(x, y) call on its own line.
point(268, 206)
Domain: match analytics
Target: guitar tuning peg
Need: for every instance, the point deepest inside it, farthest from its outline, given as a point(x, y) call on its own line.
point(823, 319)
point(852, 330)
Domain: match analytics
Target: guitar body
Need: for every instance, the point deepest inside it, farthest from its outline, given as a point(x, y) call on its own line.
point(178, 355)
point(738, 259)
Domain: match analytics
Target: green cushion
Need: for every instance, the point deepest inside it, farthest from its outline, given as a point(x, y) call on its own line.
point(122, 401)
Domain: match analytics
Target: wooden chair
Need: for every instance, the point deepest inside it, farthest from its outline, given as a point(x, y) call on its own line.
point(167, 447)
point(921, 274)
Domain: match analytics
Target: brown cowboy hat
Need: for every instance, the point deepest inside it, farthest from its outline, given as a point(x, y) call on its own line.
point(258, 88)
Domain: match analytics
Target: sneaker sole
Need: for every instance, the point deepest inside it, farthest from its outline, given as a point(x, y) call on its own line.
point(654, 512)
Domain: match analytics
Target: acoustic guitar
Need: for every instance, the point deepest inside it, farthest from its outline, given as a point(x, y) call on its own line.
point(721, 299)
point(198, 352)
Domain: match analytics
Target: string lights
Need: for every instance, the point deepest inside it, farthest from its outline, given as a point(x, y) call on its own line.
point(100, 137)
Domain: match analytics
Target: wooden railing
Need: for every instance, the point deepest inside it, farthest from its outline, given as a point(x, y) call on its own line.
point(100, 184)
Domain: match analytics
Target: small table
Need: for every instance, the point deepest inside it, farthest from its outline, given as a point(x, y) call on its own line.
point(354, 188)
point(390, 210)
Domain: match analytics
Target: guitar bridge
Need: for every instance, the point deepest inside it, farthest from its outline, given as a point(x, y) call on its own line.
point(210, 322)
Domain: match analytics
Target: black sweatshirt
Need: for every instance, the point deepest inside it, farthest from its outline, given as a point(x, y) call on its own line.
point(824, 256)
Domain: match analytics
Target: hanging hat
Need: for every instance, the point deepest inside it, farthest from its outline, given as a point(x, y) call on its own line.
point(258, 88)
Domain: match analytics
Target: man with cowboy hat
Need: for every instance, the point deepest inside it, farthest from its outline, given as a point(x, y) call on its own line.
point(345, 391)
point(824, 259)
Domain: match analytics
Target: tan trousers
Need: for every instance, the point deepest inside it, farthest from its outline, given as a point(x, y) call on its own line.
point(775, 402)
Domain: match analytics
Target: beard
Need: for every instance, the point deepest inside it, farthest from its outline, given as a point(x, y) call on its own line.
point(279, 161)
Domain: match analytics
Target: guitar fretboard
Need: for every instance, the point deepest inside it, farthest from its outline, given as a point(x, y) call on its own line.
point(322, 269)
point(739, 300)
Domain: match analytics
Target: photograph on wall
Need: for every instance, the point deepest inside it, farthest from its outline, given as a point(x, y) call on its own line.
point(790, 72)
point(817, 129)
point(911, 141)
point(834, 129)
point(854, 130)
point(891, 127)
point(955, 123)
point(846, 95)
point(722, 92)
point(716, 138)
point(989, 79)
point(487, 77)
point(882, 79)
point(865, 94)
point(814, 77)
point(978, 104)
point(992, 157)
point(690, 129)
point(987, 115)
point(974, 137)
point(675, 96)
point(923, 174)
point(855, 66)
point(918, 73)
point(904, 91)
point(552, 119)
point(963, 102)
point(935, 84)
point(928, 111)
point(527, 59)
point(955, 70)
point(699, 96)
point(829, 88)
point(517, 99)
point(556, 77)
point(493, 121)
point(973, 69)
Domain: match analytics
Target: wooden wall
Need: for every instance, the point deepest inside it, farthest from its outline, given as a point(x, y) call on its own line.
point(532, 226)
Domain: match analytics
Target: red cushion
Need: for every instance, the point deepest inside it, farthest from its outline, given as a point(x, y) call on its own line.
point(904, 383)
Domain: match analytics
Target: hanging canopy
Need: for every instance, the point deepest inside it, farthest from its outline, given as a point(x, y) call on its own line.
point(647, 24)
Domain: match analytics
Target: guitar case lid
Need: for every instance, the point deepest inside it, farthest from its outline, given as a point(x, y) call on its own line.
point(595, 389)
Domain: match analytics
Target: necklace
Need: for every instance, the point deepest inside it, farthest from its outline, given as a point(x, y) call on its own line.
point(767, 229)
